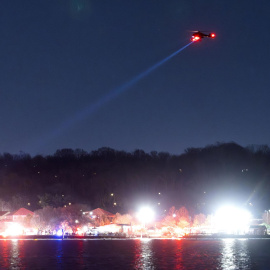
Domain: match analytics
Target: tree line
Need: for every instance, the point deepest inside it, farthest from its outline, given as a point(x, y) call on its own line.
point(119, 181)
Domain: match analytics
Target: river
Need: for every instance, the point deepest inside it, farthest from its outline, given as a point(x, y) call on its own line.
point(135, 254)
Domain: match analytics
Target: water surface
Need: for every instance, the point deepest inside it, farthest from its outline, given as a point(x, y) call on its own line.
point(135, 254)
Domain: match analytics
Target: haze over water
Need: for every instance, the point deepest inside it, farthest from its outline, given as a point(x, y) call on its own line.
point(135, 254)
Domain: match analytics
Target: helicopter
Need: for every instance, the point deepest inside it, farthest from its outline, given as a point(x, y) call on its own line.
point(198, 35)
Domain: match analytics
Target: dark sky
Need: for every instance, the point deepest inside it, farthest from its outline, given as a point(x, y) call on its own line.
point(59, 57)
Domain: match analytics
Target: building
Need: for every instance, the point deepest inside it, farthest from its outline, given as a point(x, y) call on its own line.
point(11, 222)
point(124, 229)
point(257, 230)
point(3, 215)
point(18, 215)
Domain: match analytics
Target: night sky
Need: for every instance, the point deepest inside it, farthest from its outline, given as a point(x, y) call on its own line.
point(61, 59)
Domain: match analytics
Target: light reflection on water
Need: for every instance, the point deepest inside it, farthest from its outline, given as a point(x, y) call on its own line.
point(11, 254)
point(144, 258)
point(59, 253)
point(235, 254)
point(14, 253)
point(138, 254)
point(5, 254)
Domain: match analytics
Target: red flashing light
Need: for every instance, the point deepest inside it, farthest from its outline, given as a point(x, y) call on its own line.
point(195, 38)
point(212, 35)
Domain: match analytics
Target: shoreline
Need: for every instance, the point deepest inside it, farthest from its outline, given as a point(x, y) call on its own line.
point(106, 237)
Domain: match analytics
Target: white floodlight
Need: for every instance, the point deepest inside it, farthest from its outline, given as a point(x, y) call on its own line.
point(231, 219)
point(14, 229)
point(146, 215)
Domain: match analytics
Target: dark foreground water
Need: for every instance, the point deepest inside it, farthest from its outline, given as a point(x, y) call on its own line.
point(135, 254)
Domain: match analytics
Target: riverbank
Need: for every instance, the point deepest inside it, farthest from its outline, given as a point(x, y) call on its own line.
point(108, 237)
point(225, 236)
point(37, 237)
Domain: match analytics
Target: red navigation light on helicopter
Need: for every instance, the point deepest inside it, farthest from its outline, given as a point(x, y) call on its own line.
point(212, 35)
point(195, 38)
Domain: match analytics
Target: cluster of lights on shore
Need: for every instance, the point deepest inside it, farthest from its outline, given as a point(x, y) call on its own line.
point(227, 219)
